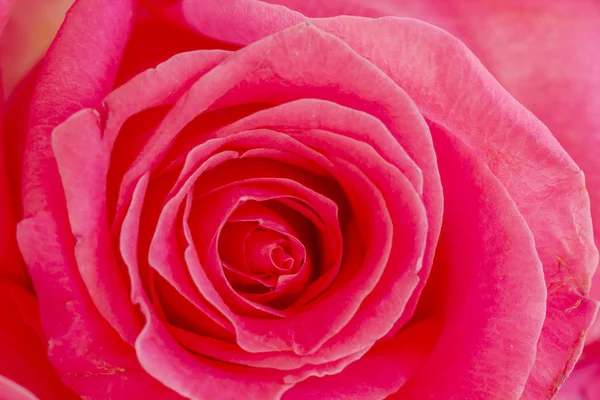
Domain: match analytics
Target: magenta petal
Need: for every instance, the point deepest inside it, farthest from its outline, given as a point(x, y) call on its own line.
point(366, 283)
point(24, 352)
point(164, 256)
point(190, 172)
point(86, 50)
point(82, 159)
point(154, 87)
point(208, 275)
point(494, 301)
point(222, 202)
point(70, 319)
point(215, 18)
point(289, 267)
point(377, 374)
point(256, 325)
point(157, 86)
point(331, 117)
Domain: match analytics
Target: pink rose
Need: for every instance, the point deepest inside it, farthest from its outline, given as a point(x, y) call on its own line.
point(338, 208)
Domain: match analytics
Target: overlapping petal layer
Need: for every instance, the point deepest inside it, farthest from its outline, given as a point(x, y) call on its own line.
point(268, 219)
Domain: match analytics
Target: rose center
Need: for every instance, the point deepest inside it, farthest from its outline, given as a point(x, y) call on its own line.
point(269, 254)
point(260, 251)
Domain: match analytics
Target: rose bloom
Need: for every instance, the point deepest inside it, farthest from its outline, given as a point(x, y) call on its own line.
point(243, 199)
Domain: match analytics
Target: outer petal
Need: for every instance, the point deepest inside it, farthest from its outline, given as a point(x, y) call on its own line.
point(85, 352)
point(23, 349)
point(87, 50)
point(101, 364)
point(363, 8)
point(494, 306)
point(252, 19)
point(82, 159)
point(545, 54)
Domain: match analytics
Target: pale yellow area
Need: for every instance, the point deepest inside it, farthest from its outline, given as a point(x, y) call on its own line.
point(30, 30)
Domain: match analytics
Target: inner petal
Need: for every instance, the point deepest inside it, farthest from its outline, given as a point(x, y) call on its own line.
point(281, 285)
point(260, 245)
point(262, 252)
